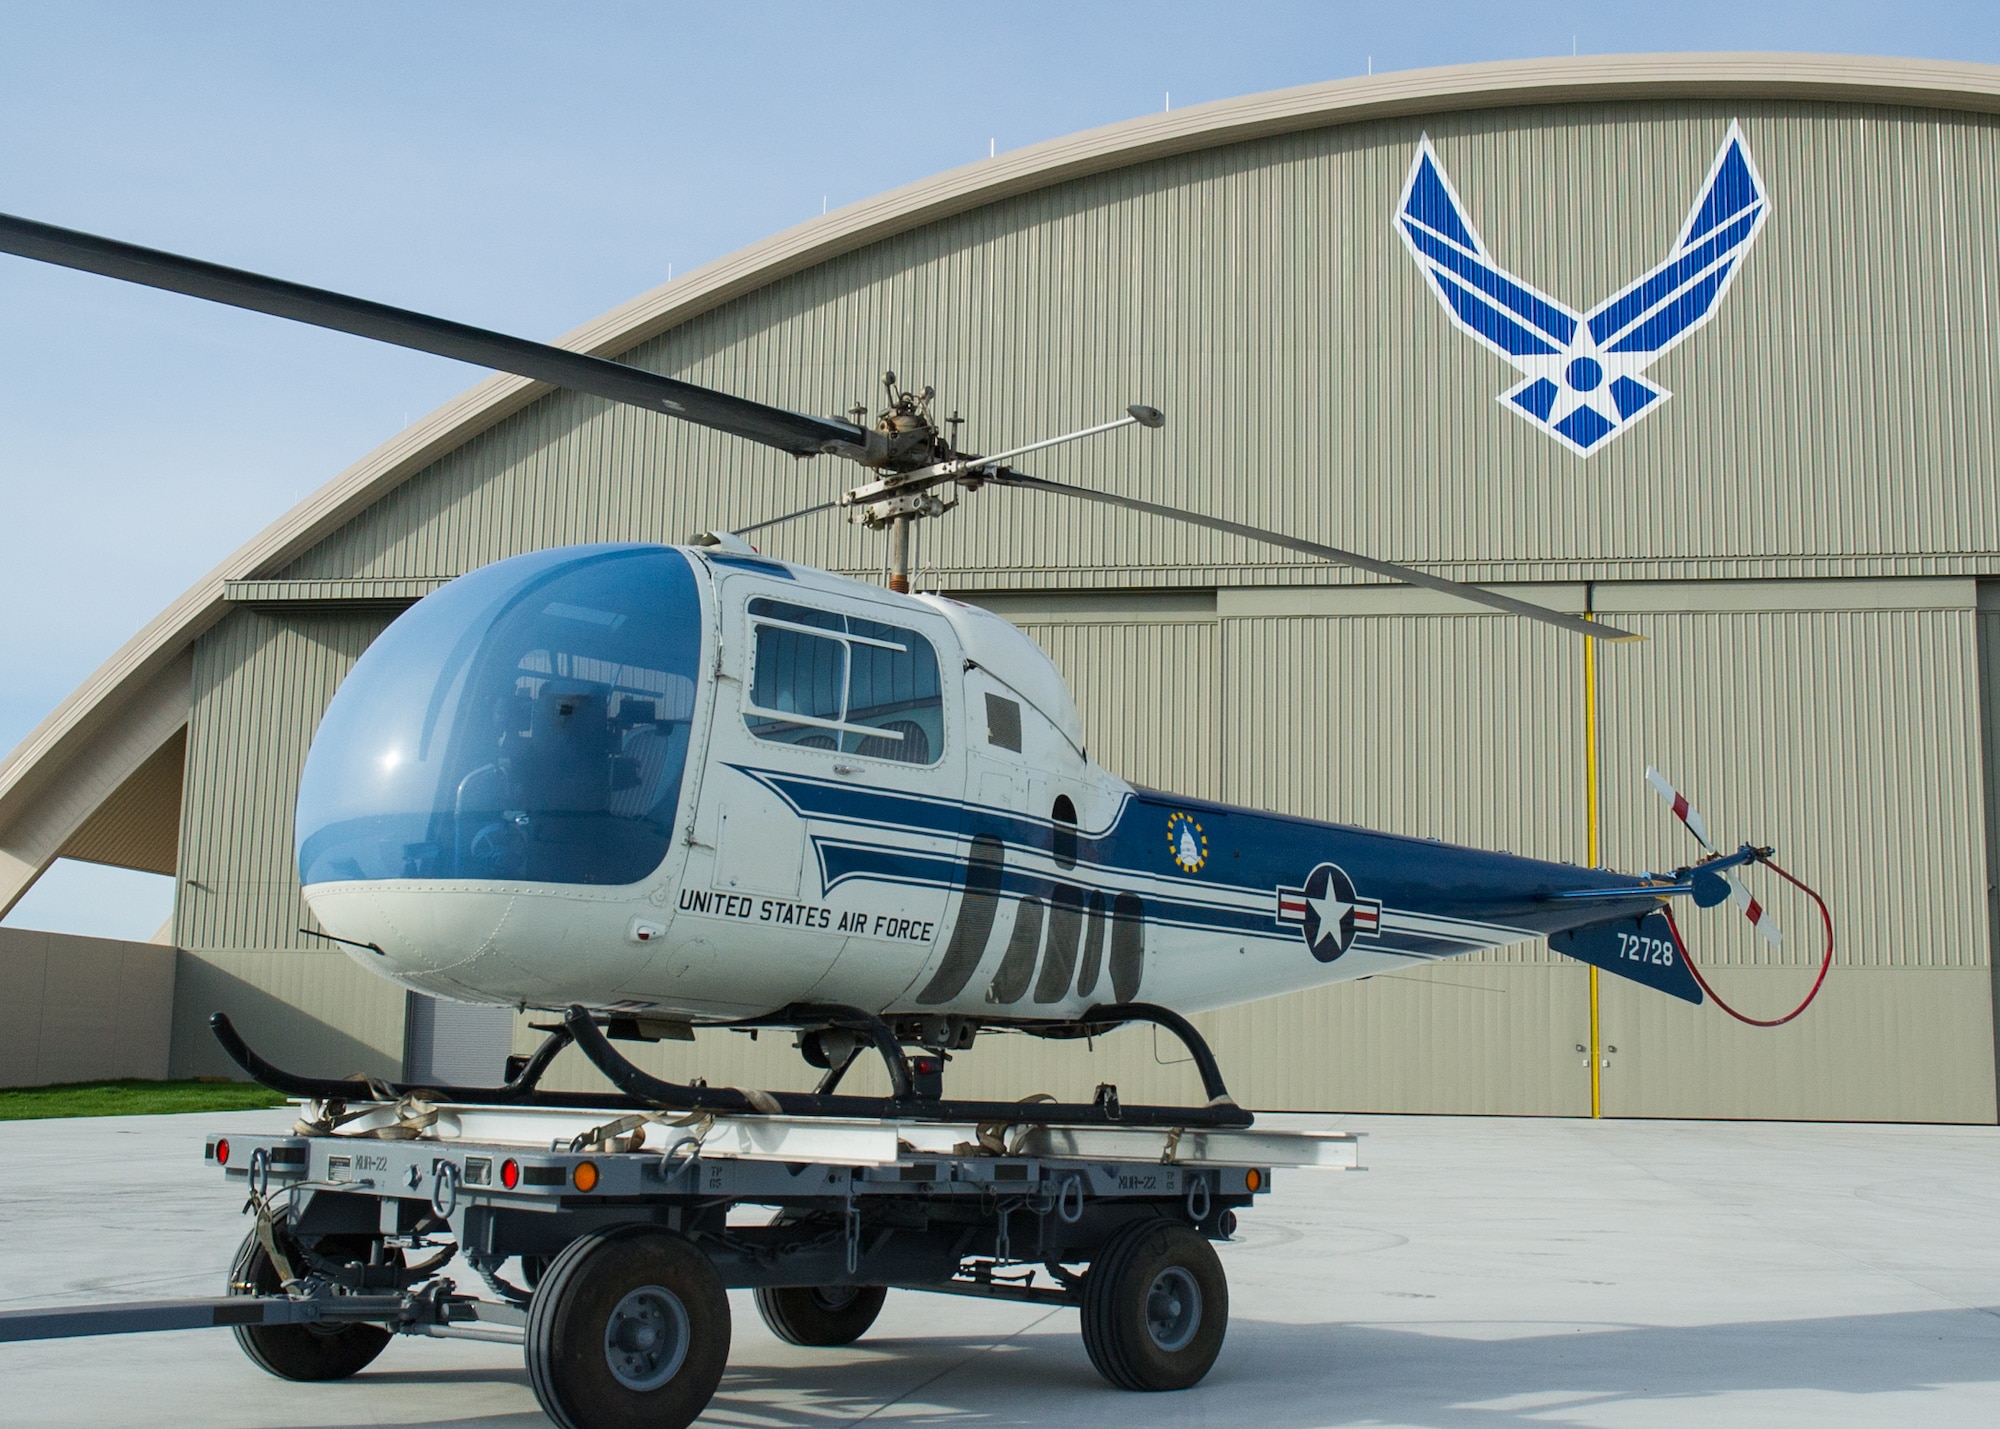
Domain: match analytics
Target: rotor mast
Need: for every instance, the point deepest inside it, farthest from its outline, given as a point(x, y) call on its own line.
point(899, 554)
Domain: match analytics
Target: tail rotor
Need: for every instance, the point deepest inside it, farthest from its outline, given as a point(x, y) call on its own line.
point(1739, 893)
point(1715, 880)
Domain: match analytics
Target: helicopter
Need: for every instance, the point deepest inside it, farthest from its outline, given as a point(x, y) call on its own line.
point(651, 788)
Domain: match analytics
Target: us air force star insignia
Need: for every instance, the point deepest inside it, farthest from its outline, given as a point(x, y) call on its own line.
point(1186, 841)
point(1329, 914)
point(1582, 373)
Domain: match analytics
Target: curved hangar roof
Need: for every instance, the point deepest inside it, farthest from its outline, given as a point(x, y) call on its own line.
point(100, 778)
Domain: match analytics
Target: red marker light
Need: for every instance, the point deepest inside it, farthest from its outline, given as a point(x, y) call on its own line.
point(510, 1174)
point(222, 1152)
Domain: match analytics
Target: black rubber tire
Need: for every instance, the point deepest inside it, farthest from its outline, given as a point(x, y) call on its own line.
point(1124, 1340)
point(824, 1317)
point(569, 1362)
point(311, 1353)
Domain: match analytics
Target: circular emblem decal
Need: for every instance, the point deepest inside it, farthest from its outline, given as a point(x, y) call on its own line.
point(1187, 843)
point(1330, 914)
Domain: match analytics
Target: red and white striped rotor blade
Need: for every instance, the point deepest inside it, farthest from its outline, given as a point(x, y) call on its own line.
point(1683, 810)
point(1759, 916)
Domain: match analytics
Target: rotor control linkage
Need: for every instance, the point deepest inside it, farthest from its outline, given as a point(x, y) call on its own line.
point(1708, 881)
point(1704, 880)
point(901, 493)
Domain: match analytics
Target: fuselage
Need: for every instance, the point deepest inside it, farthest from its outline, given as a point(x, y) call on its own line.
point(700, 784)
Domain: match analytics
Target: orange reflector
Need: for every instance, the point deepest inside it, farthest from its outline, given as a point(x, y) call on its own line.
point(585, 1175)
point(1253, 1179)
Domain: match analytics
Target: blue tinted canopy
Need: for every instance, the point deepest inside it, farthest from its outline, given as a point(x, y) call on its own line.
point(526, 722)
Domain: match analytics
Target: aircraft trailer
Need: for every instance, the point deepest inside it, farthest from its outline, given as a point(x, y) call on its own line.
point(629, 1226)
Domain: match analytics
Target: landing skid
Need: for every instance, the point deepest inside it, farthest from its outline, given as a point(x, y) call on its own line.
point(642, 1090)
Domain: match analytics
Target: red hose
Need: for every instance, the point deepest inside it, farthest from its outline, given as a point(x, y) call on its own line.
point(1826, 919)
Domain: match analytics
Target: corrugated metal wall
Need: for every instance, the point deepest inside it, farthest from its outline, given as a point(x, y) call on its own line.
point(261, 683)
point(1833, 424)
point(139, 825)
point(1851, 738)
point(262, 679)
point(1833, 419)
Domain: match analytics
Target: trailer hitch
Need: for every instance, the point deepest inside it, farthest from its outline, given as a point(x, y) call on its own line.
point(436, 1309)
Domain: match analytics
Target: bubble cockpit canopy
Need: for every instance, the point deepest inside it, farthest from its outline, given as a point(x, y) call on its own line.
point(526, 722)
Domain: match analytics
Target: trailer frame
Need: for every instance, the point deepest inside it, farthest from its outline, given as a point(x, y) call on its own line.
point(359, 1210)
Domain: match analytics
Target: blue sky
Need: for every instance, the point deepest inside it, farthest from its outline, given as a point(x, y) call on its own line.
point(526, 167)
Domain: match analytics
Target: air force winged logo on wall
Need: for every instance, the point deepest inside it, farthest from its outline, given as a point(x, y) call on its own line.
point(1583, 374)
point(1328, 913)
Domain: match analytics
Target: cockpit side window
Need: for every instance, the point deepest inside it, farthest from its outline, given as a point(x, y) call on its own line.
point(825, 680)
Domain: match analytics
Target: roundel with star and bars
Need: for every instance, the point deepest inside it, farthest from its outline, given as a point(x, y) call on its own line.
point(1328, 913)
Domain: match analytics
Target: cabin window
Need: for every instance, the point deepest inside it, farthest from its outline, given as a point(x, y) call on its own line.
point(823, 680)
point(1003, 723)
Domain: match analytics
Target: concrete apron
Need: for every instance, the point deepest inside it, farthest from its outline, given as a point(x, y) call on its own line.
point(1482, 1272)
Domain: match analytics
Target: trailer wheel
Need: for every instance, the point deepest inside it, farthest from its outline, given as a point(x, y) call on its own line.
point(822, 1315)
point(1155, 1307)
point(301, 1352)
point(629, 1329)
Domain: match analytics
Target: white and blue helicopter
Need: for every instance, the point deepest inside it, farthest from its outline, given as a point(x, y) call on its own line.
point(658, 787)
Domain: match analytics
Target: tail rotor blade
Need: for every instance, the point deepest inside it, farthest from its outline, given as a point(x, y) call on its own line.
point(1683, 810)
point(1759, 916)
point(1739, 893)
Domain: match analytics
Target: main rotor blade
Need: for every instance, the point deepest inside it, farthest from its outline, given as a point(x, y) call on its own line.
point(793, 432)
point(1409, 575)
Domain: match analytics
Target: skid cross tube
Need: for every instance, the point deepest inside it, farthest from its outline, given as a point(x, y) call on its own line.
point(851, 1019)
point(1108, 1017)
point(642, 1090)
point(1220, 1112)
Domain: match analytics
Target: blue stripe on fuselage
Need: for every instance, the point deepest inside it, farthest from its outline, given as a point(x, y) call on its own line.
point(873, 863)
point(1251, 854)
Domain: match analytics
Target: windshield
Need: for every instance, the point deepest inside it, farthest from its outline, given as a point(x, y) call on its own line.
point(528, 721)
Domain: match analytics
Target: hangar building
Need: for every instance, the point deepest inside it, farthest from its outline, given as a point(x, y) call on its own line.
point(1794, 498)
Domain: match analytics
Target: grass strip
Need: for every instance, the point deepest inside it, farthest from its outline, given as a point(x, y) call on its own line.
point(131, 1098)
